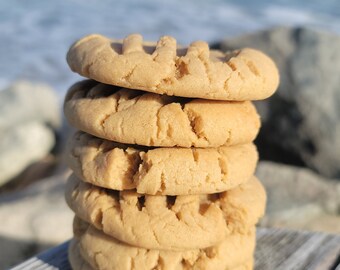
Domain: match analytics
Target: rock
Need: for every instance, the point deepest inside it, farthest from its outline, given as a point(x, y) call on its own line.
point(324, 223)
point(299, 198)
point(26, 111)
point(44, 168)
point(25, 101)
point(302, 119)
point(33, 220)
point(21, 146)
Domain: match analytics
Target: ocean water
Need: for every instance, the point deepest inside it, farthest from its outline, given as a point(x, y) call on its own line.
point(35, 35)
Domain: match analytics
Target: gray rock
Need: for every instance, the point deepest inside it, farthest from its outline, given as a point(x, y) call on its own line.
point(303, 117)
point(298, 197)
point(21, 146)
point(25, 101)
point(33, 220)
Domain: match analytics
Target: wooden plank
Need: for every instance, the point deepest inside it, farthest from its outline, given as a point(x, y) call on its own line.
point(279, 249)
point(52, 259)
point(295, 250)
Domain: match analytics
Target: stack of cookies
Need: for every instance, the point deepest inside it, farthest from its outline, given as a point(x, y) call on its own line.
point(163, 161)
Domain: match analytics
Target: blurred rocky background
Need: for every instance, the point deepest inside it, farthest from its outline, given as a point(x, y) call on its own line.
point(33, 213)
point(299, 142)
point(299, 146)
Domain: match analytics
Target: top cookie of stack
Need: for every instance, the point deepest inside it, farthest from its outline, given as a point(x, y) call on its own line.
point(215, 79)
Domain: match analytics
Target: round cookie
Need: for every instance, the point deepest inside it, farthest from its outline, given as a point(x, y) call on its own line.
point(78, 263)
point(168, 222)
point(164, 68)
point(135, 117)
point(165, 171)
point(101, 251)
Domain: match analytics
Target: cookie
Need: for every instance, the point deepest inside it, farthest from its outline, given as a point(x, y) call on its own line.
point(101, 251)
point(166, 171)
point(78, 263)
point(136, 117)
point(165, 68)
point(168, 222)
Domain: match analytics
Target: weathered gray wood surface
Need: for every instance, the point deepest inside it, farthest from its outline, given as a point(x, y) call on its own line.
point(277, 249)
point(294, 250)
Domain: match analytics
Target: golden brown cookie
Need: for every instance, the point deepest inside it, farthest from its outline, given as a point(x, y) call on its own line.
point(164, 68)
point(136, 117)
point(78, 263)
point(168, 222)
point(103, 252)
point(166, 171)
